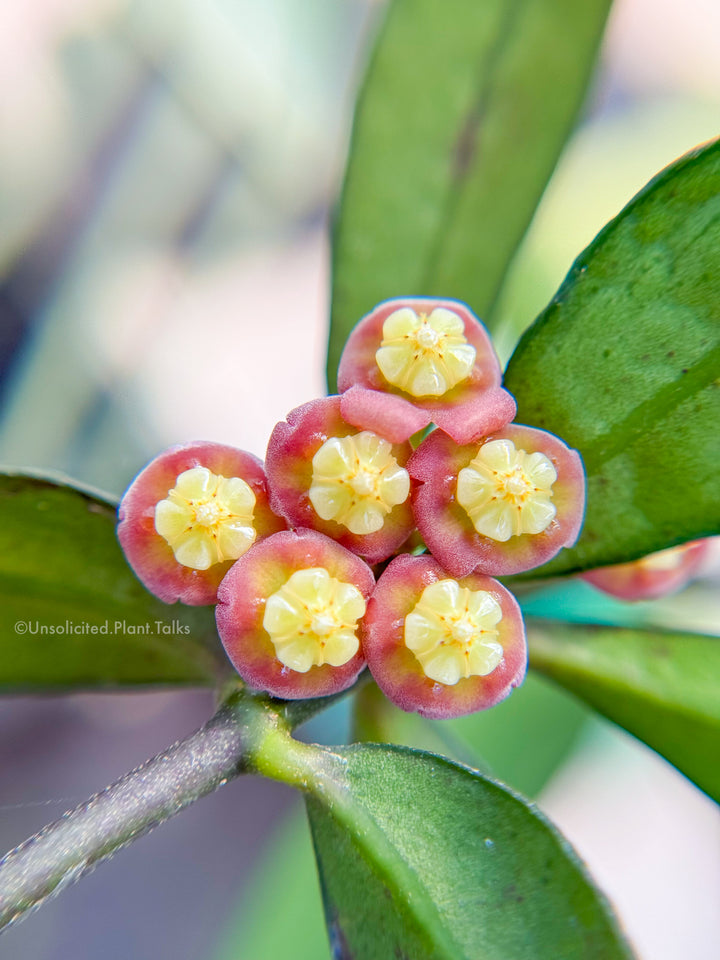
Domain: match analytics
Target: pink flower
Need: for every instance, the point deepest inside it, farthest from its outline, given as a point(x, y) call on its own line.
point(653, 576)
point(189, 515)
point(288, 614)
point(411, 362)
point(441, 646)
point(501, 505)
point(349, 484)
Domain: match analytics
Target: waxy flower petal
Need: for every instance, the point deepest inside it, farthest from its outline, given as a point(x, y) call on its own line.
point(189, 515)
point(653, 576)
point(288, 614)
point(441, 646)
point(349, 484)
point(502, 505)
point(432, 361)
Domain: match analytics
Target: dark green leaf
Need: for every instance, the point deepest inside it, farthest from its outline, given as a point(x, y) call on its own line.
point(624, 364)
point(62, 573)
point(464, 111)
point(662, 687)
point(423, 859)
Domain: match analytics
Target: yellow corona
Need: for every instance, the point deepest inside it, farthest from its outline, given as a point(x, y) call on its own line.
point(312, 620)
point(357, 481)
point(425, 355)
point(453, 632)
point(207, 518)
point(507, 492)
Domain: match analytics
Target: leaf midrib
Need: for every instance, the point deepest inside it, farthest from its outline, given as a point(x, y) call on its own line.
point(394, 870)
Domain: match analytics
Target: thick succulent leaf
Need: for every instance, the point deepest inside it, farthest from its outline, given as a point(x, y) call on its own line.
point(623, 365)
point(62, 573)
point(464, 111)
point(662, 687)
point(422, 858)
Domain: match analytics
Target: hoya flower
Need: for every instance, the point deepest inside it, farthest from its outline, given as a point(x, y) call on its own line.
point(653, 576)
point(349, 484)
point(502, 505)
point(441, 646)
point(288, 615)
point(189, 515)
point(412, 362)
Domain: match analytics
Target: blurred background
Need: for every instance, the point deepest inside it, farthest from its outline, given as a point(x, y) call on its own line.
point(167, 172)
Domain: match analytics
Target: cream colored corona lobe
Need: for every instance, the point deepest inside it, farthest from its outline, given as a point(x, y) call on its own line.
point(507, 492)
point(425, 355)
point(207, 518)
point(312, 620)
point(357, 481)
point(453, 632)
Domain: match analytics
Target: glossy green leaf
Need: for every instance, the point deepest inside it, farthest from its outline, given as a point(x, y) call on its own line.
point(62, 573)
point(424, 859)
point(624, 365)
point(662, 687)
point(463, 114)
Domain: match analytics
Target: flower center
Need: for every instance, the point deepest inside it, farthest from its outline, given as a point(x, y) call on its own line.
point(426, 356)
point(312, 620)
point(357, 481)
point(507, 492)
point(207, 518)
point(453, 632)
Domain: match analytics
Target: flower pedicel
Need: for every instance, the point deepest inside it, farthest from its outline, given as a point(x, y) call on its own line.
point(189, 515)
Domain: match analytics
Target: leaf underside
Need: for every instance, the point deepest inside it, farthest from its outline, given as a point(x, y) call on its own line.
point(662, 687)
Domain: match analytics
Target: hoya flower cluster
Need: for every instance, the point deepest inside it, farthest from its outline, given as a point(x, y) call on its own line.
point(352, 546)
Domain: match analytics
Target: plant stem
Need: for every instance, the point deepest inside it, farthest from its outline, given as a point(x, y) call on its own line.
point(70, 847)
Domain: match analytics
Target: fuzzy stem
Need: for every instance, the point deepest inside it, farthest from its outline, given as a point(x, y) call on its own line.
point(70, 847)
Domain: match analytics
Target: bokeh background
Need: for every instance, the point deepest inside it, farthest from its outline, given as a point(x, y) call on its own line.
point(167, 173)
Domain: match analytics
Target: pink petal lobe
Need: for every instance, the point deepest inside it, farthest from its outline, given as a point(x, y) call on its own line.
point(386, 414)
point(484, 412)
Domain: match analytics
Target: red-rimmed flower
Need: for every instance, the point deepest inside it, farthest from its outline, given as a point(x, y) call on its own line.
point(411, 362)
point(189, 515)
point(288, 615)
point(441, 646)
point(653, 576)
point(500, 506)
point(349, 484)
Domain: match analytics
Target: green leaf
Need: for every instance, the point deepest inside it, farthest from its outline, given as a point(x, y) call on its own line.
point(424, 859)
point(463, 114)
point(62, 572)
point(662, 687)
point(623, 365)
